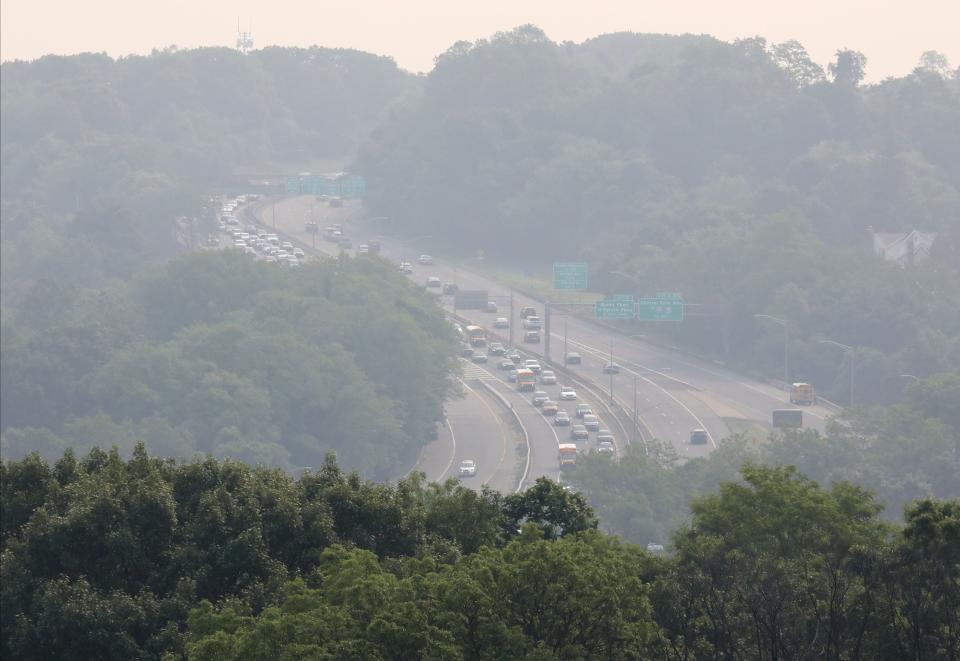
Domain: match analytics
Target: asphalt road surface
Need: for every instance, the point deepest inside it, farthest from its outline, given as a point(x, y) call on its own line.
point(675, 393)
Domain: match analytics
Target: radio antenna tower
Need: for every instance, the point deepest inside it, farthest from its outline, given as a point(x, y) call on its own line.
point(244, 39)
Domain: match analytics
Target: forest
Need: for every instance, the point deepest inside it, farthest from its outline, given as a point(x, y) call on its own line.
point(215, 353)
point(150, 558)
point(743, 175)
point(901, 454)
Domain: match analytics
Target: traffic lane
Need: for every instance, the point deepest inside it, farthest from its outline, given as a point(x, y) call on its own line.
point(678, 412)
point(477, 434)
point(541, 434)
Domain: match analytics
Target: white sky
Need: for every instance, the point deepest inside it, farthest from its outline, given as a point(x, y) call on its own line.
point(891, 33)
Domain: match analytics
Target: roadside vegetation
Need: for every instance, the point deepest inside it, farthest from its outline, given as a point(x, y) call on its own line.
point(215, 353)
point(742, 175)
point(152, 559)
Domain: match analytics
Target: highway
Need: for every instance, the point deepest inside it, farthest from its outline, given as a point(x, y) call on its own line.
point(675, 392)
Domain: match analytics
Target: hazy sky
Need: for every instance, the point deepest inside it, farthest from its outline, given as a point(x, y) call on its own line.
point(891, 33)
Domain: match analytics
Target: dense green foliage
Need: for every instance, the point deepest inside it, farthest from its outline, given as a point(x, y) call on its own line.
point(733, 173)
point(900, 453)
point(99, 157)
point(216, 353)
point(110, 559)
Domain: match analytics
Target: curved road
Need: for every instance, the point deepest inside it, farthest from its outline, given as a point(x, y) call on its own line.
point(675, 392)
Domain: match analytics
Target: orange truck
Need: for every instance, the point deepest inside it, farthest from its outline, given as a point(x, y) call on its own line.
point(802, 393)
point(567, 453)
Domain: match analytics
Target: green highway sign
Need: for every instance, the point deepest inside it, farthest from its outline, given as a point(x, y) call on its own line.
point(660, 309)
point(614, 308)
point(570, 275)
point(623, 297)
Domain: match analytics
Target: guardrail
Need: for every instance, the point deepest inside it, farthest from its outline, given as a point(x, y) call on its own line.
point(523, 430)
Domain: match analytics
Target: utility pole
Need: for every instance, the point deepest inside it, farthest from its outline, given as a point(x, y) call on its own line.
point(850, 352)
point(636, 415)
point(511, 318)
point(546, 330)
point(611, 372)
point(564, 340)
point(786, 342)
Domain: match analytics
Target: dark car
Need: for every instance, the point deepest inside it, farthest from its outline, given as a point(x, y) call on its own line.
point(496, 349)
point(466, 352)
point(450, 288)
point(479, 358)
point(591, 422)
point(531, 337)
point(539, 397)
point(562, 419)
point(573, 358)
point(611, 368)
point(699, 437)
point(579, 433)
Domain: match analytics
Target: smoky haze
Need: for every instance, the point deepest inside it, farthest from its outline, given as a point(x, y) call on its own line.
point(891, 34)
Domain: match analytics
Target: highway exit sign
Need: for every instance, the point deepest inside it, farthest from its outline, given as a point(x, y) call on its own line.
point(660, 309)
point(570, 276)
point(615, 308)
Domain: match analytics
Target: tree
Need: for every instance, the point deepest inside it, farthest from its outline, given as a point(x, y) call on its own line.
point(793, 57)
point(849, 68)
point(934, 62)
point(556, 511)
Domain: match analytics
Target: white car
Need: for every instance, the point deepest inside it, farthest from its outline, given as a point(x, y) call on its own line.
point(433, 281)
point(426, 260)
point(501, 322)
point(548, 378)
point(468, 468)
point(605, 447)
point(567, 394)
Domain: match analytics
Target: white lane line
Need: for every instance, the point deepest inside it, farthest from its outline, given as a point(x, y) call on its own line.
point(453, 451)
point(503, 438)
point(693, 415)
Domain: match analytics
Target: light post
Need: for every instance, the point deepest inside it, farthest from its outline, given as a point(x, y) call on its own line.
point(611, 372)
point(851, 351)
point(786, 343)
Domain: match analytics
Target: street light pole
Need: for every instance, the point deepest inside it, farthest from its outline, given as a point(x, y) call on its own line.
point(611, 372)
point(850, 350)
point(786, 343)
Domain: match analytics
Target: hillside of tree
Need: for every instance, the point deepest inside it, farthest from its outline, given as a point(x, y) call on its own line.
point(148, 559)
point(99, 157)
point(742, 175)
point(215, 353)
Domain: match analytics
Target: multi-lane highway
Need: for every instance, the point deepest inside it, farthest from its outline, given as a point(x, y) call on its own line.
point(675, 393)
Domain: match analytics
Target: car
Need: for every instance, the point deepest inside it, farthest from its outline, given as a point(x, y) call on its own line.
point(501, 322)
point(468, 468)
point(611, 368)
point(506, 365)
point(433, 281)
point(579, 433)
point(496, 349)
point(363, 249)
point(466, 352)
point(591, 422)
point(604, 436)
point(531, 337)
point(406, 267)
point(515, 356)
point(549, 407)
point(450, 288)
point(567, 394)
point(527, 311)
point(512, 376)
point(548, 378)
point(573, 358)
point(532, 365)
point(286, 245)
point(426, 260)
point(699, 437)
point(539, 397)
point(492, 306)
point(479, 358)
point(606, 447)
point(653, 547)
point(561, 419)
point(582, 410)
point(532, 322)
